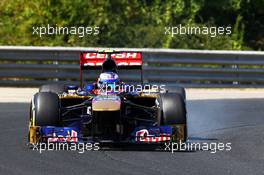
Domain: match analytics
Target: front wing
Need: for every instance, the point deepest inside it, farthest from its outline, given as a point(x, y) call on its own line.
point(140, 135)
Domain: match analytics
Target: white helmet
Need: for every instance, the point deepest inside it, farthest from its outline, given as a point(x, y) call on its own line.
point(108, 79)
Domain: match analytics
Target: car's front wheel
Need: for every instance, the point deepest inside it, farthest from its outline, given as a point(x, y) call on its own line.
point(172, 111)
point(45, 110)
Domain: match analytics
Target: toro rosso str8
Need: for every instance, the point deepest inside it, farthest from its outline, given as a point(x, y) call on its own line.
point(97, 112)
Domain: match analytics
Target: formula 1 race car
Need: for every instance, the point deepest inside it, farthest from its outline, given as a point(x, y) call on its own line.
point(108, 110)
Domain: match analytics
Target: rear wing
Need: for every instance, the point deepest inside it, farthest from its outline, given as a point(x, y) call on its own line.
point(124, 60)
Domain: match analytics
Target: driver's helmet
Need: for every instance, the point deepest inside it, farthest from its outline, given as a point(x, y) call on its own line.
point(108, 80)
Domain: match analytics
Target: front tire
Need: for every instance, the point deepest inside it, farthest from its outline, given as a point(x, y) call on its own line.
point(178, 90)
point(172, 110)
point(46, 109)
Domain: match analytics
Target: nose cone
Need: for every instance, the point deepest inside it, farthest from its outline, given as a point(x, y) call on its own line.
point(106, 103)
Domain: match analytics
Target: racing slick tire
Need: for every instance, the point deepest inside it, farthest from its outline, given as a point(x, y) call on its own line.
point(55, 88)
point(45, 109)
point(172, 110)
point(178, 90)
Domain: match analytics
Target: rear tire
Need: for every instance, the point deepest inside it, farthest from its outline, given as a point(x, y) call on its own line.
point(55, 88)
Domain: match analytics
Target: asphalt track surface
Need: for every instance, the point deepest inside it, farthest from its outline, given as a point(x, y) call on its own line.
point(238, 121)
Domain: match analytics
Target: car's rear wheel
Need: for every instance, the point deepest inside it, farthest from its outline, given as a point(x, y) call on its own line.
point(55, 88)
point(172, 110)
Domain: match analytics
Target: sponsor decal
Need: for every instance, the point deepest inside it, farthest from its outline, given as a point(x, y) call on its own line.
point(144, 136)
point(121, 59)
point(114, 56)
point(70, 137)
